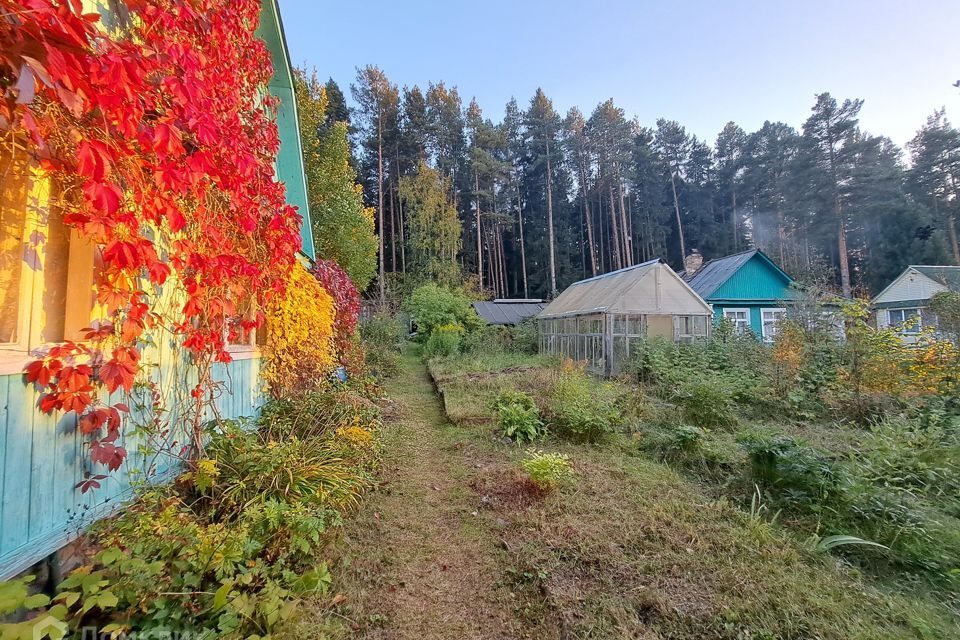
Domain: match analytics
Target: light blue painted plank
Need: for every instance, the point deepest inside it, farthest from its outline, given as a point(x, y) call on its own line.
point(4, 420)
point(16, 497)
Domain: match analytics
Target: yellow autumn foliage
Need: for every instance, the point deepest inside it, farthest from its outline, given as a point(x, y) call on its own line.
point(299, 350)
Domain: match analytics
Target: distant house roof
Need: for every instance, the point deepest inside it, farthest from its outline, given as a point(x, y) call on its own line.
point(917, 284)
point(507, 311)
point(948, 276)
point(629, 290)
point(714, 274)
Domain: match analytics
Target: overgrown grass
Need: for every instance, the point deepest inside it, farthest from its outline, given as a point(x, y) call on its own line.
point(634, 549)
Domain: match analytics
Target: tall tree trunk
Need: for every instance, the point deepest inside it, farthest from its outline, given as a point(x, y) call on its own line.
point(584, 198)
point(842, 249)
point(627, 235)
point(845, 287)
point(383, 284)
point(523, 251)
point(403, 235)
point(616, 245)
point(393, 229)
point(553, 260)
point(476, 185)
point(491, 281)
point(676, 209)
point(733, 220)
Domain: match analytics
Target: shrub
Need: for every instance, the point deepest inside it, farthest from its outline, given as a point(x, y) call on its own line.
point(706, 404)
point(443, 341)
point(548, 470)
point(654, 361)
point(383, 337)
point(485, 340)
point(518, 416)
point(300, 353)
point(251, 469)
point(581, 409)
point(525, 337)
point(794, 471)
point(432, 306)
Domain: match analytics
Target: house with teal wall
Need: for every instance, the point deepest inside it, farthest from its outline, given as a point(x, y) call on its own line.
point(747, 288)
point(43, 457)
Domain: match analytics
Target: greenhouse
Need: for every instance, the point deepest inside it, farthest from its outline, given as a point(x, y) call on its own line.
point(601, 320)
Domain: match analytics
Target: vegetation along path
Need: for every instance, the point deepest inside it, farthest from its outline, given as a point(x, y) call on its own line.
point(422, 560)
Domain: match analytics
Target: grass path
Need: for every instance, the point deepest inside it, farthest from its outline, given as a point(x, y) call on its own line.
point(422, 561)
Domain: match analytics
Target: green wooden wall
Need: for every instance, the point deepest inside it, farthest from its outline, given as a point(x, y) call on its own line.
point(754, 281)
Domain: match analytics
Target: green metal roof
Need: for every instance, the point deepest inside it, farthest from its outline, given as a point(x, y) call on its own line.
point(948, 276)
point(741, 277)
point(290, 168)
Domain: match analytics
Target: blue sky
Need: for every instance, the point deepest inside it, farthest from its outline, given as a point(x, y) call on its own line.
point(702, 63)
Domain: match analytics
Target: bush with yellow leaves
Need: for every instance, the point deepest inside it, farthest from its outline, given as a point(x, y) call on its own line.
point(300, 328)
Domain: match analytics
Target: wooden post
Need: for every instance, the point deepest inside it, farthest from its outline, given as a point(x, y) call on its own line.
point(607, 345)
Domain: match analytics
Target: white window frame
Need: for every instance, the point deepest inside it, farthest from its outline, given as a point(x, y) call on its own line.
point(770, 336)
point(747, 326)
point(904, 330)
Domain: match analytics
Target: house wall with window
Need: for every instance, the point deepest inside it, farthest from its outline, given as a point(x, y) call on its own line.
point(747, 288)
point(47, 276)
point(903, 304)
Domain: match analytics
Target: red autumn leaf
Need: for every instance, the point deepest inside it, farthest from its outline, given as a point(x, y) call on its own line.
point(93, 161)
point(120, 370)
point(103, 196)
point(108, 454)
point(90, 483)
point(131, 330)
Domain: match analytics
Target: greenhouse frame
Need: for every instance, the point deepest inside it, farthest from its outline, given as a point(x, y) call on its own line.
point(601, 320)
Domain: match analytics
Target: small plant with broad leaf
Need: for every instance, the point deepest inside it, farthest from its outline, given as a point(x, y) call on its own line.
point(518, 416)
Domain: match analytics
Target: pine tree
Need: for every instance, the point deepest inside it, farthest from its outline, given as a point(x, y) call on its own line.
point(829, 132)
point(378, 101)
point(935, 175)
point(673, 145)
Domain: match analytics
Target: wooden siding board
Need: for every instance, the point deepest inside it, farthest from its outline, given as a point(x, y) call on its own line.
point(910, 285)
point(42, 458)
point(755, 280)
point(15, 525)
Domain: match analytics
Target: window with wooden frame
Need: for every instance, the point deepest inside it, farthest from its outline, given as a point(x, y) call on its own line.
point(47, 270)
point(905, 320)
point(238, 339)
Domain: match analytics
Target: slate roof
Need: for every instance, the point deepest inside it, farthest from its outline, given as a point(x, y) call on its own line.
point(946, 275)
point(507, 311)
point(714, 273)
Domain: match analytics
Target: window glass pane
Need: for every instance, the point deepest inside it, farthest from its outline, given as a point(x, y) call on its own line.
point(14, 191)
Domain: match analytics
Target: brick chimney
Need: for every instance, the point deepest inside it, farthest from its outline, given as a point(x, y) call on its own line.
point(692, 263)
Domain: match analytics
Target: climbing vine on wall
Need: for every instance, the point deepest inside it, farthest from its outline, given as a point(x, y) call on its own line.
point(161, 139)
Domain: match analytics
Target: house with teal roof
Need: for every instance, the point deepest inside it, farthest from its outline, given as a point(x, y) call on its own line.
point(747, 288)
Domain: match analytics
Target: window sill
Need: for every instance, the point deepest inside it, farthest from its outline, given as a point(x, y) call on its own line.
point(13, 362)
point(241, 352)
